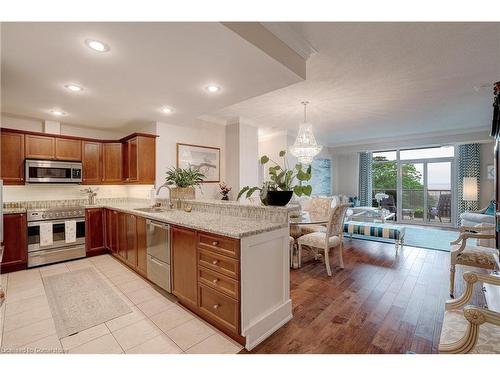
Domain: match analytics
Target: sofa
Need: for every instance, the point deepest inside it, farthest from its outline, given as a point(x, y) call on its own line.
point(479, 218)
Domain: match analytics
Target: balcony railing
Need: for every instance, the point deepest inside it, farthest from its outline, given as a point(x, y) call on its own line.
point(438, 204)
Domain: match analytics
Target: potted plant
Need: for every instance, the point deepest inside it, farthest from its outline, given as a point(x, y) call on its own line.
point(280, 188)
point(184, 182)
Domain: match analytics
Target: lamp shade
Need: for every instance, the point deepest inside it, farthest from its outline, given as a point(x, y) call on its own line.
point(470, 189)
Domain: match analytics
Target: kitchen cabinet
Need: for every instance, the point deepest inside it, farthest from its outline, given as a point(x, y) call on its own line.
point(94, 231)
point(111, 162)
point(40, 147)
point(184, 266)
point(111, 229)
point(122, 235)
point(15, 256)
point(68, 149)
point(91, 162)
point(219, 281)
point(129, 160)
point(139, 153)
point(131, 238)
point(142, 257)
point(12, 155)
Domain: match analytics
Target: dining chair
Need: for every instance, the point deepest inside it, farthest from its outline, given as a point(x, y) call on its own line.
point(324, 241)
point(321, 206)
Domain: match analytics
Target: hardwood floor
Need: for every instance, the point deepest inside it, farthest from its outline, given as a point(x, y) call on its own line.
point(377, 304)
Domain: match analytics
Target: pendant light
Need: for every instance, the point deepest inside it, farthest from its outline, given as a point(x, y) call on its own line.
point(305, 147)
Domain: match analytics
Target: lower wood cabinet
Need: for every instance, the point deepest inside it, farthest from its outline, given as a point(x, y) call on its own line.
point(142, 256)
point(15, 240)
point(94, 231)
point(125, 238)
point(206, 277)
point(184, 266)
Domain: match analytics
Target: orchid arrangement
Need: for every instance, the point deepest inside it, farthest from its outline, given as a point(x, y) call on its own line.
point(224, 190)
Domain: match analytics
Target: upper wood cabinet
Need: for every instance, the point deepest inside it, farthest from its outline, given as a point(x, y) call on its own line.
point(91, 162)
point(68, 149)
point(40, 147)
point(139, 154)
point(12, 165)
point(15, 256)
point(111, 162)
point(129, 160)
point(184, 266)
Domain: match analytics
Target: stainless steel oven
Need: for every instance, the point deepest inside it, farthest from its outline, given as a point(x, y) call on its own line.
point(39, 171)
point(60, 248)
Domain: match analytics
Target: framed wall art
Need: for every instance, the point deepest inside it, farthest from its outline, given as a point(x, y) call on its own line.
point(203, 158)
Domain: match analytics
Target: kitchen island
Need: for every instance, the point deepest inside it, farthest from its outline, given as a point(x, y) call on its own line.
point(232, 271)
point(229, 262)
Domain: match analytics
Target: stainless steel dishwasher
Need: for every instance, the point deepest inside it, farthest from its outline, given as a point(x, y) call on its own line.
point(158, 249)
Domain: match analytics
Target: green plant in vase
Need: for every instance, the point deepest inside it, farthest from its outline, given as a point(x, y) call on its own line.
point(183, 182)
point(280, 187)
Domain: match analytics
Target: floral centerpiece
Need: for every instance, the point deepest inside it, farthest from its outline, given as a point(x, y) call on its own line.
point(224, 190)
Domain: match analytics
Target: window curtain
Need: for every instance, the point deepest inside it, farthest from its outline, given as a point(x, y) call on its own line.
point(365, 178)
point(468, 165)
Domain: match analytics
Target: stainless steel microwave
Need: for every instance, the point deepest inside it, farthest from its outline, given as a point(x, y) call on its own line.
point(48, 171)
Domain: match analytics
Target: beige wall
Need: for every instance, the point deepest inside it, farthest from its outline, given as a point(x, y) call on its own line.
point(200, 133)
point(486, 190)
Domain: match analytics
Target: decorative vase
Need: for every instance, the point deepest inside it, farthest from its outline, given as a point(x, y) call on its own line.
point(225, 198)
point(182, 193)
point(277, 198)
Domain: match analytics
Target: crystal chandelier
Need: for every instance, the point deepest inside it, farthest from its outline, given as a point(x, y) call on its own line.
point(305, 147)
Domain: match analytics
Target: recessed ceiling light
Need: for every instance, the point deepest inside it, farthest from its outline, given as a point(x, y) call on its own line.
point(167, 110)
point(57, 112)
point(212, 88)
point(74, 88)
point(96, 45)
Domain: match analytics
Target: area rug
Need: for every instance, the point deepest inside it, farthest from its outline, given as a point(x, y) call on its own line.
point(427, 238)
point(81, 299)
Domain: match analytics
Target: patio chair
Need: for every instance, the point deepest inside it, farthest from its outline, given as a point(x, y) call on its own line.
point(443, 208)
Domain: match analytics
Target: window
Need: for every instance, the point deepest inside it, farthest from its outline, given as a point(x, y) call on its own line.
point(321, 178)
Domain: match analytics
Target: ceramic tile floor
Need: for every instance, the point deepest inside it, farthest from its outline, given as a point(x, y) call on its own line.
point(156, 325)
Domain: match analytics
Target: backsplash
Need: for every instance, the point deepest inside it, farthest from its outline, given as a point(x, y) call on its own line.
point(49, 192)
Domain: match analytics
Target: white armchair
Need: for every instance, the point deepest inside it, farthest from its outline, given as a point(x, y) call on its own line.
point(468, 328)
point(465, 253)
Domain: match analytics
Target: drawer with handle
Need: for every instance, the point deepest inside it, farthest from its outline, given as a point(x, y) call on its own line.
point(219, 282)
point(219, 307)
point(221, 245)
point(220, 263)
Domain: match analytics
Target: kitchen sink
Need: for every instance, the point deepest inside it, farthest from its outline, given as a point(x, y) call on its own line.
point(152, 209)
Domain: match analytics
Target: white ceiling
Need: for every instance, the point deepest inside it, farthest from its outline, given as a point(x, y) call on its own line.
point(150, 65)
point(376, 80)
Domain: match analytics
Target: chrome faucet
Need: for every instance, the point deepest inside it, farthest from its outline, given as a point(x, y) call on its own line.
point(165, 185)
point(91, 194)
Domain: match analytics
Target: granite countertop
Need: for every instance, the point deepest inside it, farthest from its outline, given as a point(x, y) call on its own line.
point(229, 226)
point(224, 225)
point(19, 210)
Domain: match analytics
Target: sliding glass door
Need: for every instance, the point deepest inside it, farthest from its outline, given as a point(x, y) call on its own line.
point(419, 183)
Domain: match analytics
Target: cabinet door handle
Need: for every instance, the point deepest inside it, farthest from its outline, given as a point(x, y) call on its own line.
point(215, 243)
point(216, 306)
point(215, 261)
point(215, 281)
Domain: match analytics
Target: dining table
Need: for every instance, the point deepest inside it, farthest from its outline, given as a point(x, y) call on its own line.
point(299, 219)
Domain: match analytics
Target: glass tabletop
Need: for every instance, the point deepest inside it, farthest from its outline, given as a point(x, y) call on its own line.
point(308, 217)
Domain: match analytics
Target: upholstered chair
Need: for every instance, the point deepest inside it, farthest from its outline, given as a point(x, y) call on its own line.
point(324, 241)
point(468, 328)
point(465, 252)
point(320, 206)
